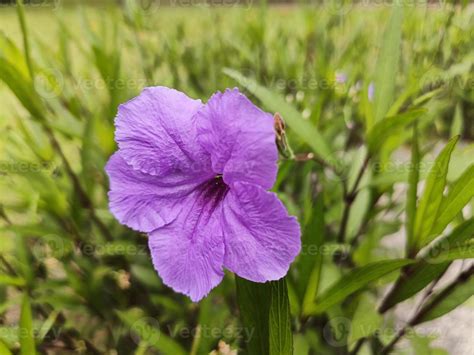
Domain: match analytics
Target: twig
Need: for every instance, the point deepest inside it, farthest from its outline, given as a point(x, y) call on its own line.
point(357, 347)
point(428, 306)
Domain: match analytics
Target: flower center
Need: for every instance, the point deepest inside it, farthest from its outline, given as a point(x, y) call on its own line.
point(214, 190)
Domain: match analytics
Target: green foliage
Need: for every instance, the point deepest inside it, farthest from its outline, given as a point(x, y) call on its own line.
point(265, 310)
point(430, 202)
point(387, 64)
point(26, 335)
point(448, 299)
point(354, 281)
point(364, 169)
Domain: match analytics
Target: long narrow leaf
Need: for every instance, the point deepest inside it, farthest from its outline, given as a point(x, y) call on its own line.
point(412, 192)
point(464, 251)
point(281, 336)
point(428, 268)
point(265, 310)
point(390, 126)
point(387, 63)
point(459, 196)
point(254, 302)
point(26, 332)
point(354, 281)
point(433, 194)
point(313, 263)
point(448, 299)
point(4, 349)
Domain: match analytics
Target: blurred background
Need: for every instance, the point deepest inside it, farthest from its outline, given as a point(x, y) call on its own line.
point(73, 280)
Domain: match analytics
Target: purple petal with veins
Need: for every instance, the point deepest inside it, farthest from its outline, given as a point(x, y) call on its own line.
point(195, 178)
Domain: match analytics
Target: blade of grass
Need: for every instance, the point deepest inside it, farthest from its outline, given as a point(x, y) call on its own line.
point(26, 331)
point(387, 63)
point(26, 45)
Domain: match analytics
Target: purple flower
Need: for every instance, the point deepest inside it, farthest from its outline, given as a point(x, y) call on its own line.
point(341, 77)
point(195, 178)
point(371, 91)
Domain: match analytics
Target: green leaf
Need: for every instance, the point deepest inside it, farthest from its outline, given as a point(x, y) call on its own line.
point(413, 280)
point(4, 349)
point(21, 87)
point(47, 325)
point(428, 206)
point(464, 251)
point(390, 126)
point(254, 302)
point(211, 316)
point(354, 281)
point(366, 320)
point(275, 103)
point(11, 280)
point(146, 329)
point(447, 299)
point(311, 259)
point(412, 191)
point(421, 344)
point(281, 336)
point(26, 46)
point(26, 331)
point(301, 345)
point(13, 54)
point(416, 277)
point(387, 63)
point(265, 310)
point(460, 235)
point(459, 196)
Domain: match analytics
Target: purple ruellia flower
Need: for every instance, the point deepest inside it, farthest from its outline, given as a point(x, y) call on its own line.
point(195, 177)
point(371, 91)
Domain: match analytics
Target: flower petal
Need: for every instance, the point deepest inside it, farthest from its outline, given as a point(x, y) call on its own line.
point(261, 240)
point(240, 138)
point(145, 202)
point(156, 133)
point(188, 254)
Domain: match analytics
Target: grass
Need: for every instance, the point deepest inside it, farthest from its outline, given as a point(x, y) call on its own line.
point(89, 280)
